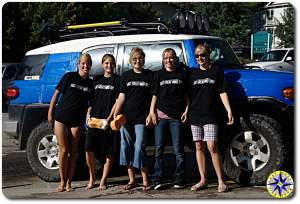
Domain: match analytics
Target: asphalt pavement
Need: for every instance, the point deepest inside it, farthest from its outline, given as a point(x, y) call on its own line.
point(20, 182)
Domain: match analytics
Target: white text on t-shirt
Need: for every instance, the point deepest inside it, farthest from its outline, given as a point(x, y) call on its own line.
point(105, 87)
point(137, 83)
point(171, 81)
point(204, 81)
point(82, 88)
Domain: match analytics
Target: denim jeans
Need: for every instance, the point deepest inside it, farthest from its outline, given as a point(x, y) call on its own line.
point(132, 147)
point(176, 128)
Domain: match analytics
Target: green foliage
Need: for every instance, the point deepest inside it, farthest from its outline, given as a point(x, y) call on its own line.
point(229, 20)
point(22, 21)
point(285, 31)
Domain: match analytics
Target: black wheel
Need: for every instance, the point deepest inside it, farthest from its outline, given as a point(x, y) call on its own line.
point(255, 150)
point(42, 152)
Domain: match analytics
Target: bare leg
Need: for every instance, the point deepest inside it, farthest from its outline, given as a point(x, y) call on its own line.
point(106, 170)
point(131, 174)
point(90, 160)
point(61, 132)
point(216, 159)
point(75, 136)
point(200, 156)
point(145, 173)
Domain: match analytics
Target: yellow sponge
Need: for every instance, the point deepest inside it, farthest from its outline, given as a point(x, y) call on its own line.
point(117, 123)
point(97, 123)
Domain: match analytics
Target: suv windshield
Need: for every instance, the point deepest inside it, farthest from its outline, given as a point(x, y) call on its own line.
point(221, 53)
point(274, 55)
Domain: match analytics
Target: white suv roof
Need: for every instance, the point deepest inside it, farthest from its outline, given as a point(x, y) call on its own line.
point(282, 49)
point(79, 44)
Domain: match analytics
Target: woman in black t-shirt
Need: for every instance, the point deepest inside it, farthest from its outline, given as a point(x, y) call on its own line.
point(106, 88)
point(169, 109)
point(207, 87)
point(134, 99)
point(76, 90)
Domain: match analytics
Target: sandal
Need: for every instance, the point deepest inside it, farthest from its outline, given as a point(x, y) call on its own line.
point(199, 186)
point(222, 188)
point(146, 188)
point(130, 186)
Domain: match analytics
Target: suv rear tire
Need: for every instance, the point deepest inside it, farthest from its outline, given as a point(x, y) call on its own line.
point(42, 152)
point(255, 150)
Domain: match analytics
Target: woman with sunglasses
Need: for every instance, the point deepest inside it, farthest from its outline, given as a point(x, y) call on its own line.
point(207, 87)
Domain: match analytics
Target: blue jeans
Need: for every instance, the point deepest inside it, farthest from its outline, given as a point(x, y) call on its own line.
point(176, 128)
point(133, 143)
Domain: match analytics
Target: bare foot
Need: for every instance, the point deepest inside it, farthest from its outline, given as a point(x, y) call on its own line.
point(61, 187)
point(102, 185)
point(69, 187)
point(90, 185)
point(102, 188)
point(222, 188)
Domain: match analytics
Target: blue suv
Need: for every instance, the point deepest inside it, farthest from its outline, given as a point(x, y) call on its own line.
point(259, 143)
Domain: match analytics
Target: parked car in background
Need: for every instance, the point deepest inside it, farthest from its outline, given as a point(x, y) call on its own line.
point(276, 59)
point(9, 73)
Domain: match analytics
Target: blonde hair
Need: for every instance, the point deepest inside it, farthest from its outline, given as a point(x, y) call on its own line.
point(169, 50)
point(134, 51)
point(108, 56)
point(88, 56)
point(203, 47)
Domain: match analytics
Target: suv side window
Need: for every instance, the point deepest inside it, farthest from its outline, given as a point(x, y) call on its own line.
point(97, 54)
point(153, 51)
point(9, 71)
point(291, 54)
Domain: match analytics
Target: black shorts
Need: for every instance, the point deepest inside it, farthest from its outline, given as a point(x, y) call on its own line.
point(101, 142)
point(70, 124)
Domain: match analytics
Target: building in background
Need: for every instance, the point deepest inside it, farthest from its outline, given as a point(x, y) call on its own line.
point(267, 19)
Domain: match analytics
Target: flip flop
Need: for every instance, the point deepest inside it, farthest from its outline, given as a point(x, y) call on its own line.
point(146, 188)
point(130, 186)
point(199, 186)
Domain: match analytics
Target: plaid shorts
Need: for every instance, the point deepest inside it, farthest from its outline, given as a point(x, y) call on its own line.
point(204, 132)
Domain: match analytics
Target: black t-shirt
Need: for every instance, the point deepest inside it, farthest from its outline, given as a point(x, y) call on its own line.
point(137, 88)
point(170, 89)
point(205, 89)
point(105, 94)
point(76, 93)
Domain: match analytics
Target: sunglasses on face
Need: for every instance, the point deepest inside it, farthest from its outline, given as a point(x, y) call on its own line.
point(201, 55)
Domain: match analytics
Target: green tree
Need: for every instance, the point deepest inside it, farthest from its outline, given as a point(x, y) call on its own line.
point(22, 21)
point(285, 30)
point(229, 20)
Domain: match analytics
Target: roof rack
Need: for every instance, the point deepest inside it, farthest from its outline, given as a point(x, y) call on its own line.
point(110, 29)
